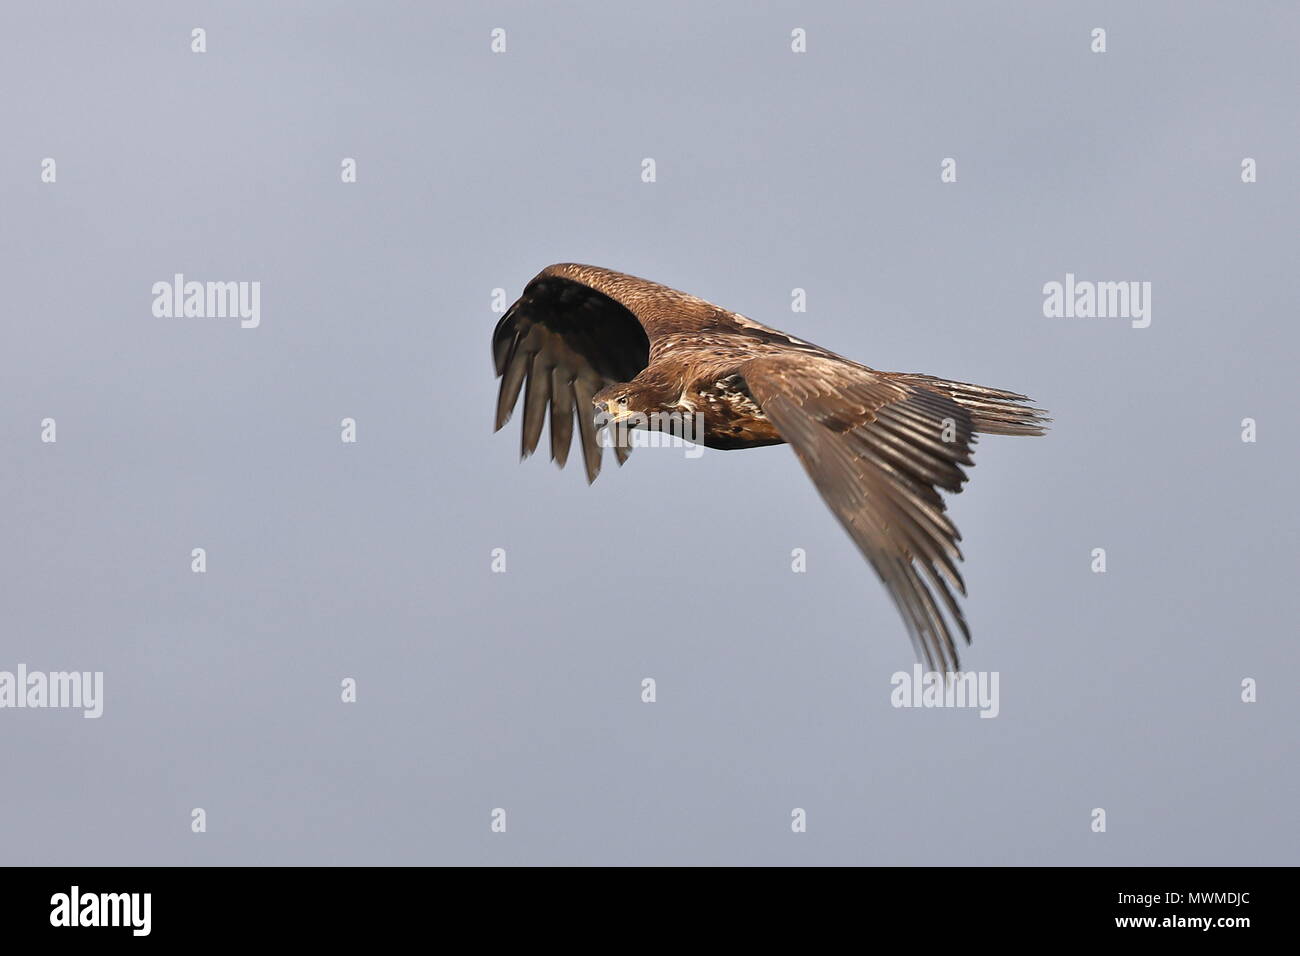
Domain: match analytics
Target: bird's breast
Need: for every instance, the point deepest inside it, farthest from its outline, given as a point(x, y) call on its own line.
point(732, 419)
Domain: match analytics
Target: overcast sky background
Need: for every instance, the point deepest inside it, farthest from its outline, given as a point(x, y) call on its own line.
point(522, 690)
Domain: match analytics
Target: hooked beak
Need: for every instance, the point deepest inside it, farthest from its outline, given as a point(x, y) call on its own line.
point(607, 415)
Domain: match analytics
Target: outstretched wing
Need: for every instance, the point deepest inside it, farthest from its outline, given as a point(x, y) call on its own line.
point(564, 340)
point(878, 447)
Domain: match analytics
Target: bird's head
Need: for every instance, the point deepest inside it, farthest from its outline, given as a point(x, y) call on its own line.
point(615, 403)
point(631, 402)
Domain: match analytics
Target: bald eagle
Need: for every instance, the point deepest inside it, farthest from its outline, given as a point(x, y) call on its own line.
point(609, 348)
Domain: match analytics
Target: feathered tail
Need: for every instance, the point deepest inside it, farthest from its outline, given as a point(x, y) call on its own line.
point(992, 411)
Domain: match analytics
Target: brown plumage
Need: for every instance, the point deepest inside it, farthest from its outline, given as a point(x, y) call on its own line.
point(584, 341)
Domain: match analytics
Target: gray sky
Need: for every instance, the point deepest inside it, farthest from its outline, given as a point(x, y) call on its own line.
point(522, 690)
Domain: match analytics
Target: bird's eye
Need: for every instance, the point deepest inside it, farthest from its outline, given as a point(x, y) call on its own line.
point(622, 400)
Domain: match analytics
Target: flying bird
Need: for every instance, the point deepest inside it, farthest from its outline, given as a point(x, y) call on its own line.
point(613, 350)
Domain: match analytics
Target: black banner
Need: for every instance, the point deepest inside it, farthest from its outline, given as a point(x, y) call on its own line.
point(92, 905)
